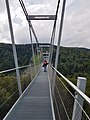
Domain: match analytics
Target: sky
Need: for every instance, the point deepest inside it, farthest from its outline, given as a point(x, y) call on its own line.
point(76, 27)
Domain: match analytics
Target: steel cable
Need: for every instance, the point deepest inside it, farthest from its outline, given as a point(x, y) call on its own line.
point(67, 105)
point(62, 103)
point(53, 31)
point(8, 86)
point(8, 98)
point(29, 22)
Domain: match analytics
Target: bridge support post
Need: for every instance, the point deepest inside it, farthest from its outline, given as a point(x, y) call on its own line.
point(14, 48)
point(58, 45)
point(77, 111)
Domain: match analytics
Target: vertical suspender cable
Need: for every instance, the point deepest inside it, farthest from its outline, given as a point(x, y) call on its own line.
point(32, 47)
point(58, 45)
point(30, 28)
point(24, 9)
point(37, 44)
point(34, 32)
point(37, 51)
point(53, 32)
point(14, 48)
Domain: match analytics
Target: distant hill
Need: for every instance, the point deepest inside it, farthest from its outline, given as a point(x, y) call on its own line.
point(73, 63)
point(24, 54)
point(73, 60)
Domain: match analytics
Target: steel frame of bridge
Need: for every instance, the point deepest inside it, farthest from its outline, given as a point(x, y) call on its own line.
point(34, 101)
point(31, 30)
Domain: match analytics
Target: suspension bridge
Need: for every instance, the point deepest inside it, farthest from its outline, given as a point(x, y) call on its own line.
point(49, 95)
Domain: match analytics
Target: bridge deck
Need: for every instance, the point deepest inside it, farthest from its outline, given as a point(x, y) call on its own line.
point(35, 104)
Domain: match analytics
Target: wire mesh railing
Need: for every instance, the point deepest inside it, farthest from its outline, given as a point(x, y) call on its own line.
point(8, 92)
point(69, 104)
point(8, 86)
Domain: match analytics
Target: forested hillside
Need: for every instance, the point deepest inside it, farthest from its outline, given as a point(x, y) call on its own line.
point(71, 60)
point(8, 83)
point(24, 54)
point(74, 62)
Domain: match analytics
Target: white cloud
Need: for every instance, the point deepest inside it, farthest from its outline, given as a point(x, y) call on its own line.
point(76, 31)
point(76, 26)
point(2, 6)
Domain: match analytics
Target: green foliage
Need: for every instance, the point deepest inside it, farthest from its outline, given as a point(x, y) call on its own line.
point(7, 87)
point(8, 83)
point(24, 54)
point(6, 57)
point(74, 62)
point(9, 90)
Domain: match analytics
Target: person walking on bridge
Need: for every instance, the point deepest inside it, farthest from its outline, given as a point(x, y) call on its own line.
point(45, 63)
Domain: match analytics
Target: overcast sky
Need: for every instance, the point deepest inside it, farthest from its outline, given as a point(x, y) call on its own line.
point(76, 29)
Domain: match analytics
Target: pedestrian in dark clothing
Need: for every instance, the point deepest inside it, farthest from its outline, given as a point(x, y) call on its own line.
point(45, 63)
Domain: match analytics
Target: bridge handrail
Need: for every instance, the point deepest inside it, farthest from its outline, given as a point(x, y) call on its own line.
point(20, 97)
point(9, 70)
point(86, 98)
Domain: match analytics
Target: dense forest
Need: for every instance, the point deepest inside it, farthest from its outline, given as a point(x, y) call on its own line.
point(73, 62)
point(8, 83)
point(24, 54)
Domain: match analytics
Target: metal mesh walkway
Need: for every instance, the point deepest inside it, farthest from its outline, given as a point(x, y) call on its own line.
point(35, 104)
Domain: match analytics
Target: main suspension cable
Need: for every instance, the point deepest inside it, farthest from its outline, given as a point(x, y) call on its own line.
point(24, 9)
point(29, 22)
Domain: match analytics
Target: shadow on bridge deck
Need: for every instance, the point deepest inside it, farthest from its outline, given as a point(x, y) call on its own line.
point(35, 103)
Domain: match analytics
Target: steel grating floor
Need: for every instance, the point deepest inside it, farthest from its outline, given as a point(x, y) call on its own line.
point(35, 104)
